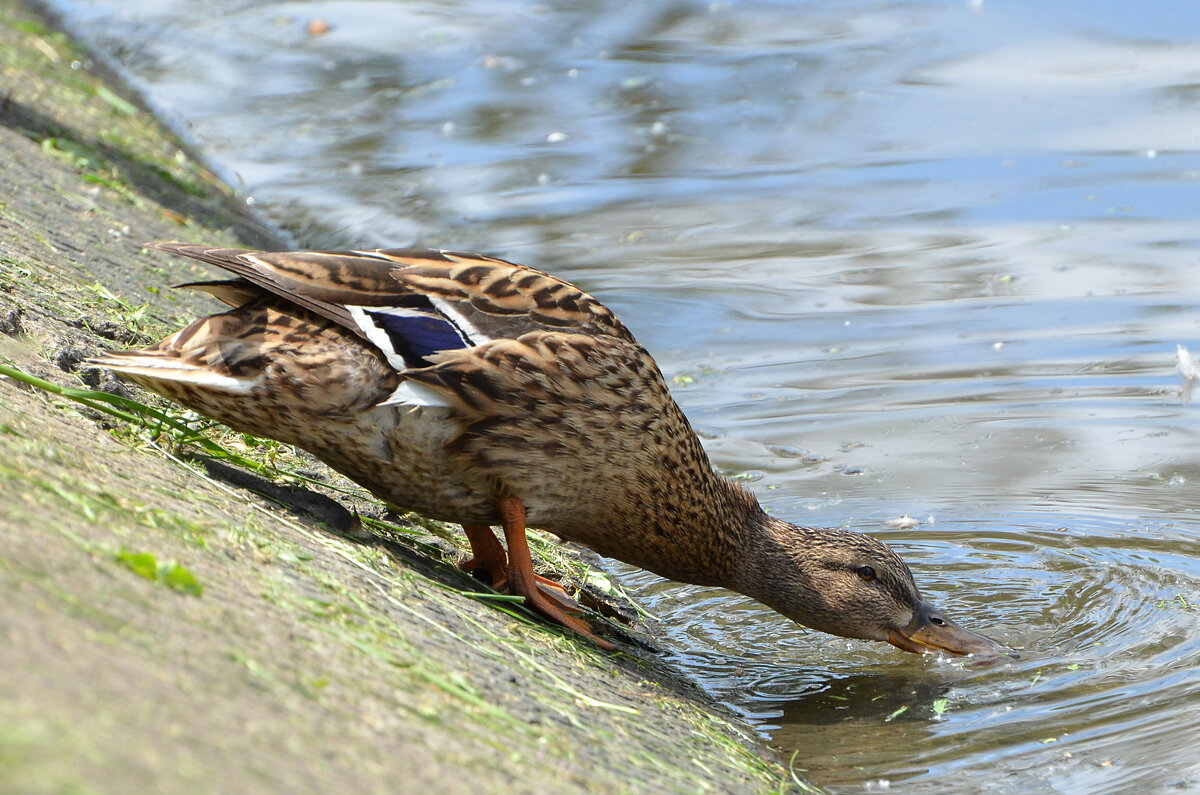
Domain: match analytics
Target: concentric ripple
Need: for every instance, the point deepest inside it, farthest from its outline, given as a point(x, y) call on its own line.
point(1104, 613)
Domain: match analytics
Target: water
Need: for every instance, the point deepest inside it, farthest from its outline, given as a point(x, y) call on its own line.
point(923, 258)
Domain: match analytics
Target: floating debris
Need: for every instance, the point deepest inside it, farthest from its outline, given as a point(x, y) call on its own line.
point(1191, 374)
point(1187, 367)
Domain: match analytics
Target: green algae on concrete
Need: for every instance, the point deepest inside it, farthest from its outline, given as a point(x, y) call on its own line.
point(166, 628)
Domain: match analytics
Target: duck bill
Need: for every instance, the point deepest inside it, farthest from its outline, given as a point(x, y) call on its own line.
point(930, 632)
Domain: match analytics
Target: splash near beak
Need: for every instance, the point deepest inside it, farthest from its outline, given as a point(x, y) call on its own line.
point(930, 632)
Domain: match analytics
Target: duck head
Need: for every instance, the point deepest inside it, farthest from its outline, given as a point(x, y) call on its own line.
point(855, 586)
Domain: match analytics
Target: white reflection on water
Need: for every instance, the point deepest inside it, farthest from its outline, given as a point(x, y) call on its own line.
point(931, 258)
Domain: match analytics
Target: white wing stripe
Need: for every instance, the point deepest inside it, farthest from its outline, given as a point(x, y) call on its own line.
point(378, 336)
point(472, 335)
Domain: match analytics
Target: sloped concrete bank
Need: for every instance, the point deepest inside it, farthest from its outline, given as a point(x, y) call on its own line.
point(165, 628)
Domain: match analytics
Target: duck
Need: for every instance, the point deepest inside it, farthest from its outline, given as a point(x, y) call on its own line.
point(486, 393)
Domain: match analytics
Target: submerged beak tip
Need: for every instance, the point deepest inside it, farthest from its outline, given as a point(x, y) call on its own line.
point(923, 636)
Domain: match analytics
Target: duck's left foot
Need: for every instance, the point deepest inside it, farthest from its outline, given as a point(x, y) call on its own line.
point(554, 591)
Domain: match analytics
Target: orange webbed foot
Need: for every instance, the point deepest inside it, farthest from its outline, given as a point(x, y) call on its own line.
point(543, 596)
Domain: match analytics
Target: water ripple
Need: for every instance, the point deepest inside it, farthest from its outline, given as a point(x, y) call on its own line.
point(1105, 613)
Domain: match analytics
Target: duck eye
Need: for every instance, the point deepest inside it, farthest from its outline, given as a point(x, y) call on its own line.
point(866, 572)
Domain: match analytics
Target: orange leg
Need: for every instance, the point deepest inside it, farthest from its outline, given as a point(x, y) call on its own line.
point(488, 554)
point(523, 582)
point(490, 557)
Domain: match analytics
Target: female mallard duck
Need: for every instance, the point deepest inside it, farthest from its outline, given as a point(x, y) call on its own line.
point(478, 391)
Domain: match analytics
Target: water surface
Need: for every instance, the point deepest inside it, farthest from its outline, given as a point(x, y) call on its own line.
point(900, 258)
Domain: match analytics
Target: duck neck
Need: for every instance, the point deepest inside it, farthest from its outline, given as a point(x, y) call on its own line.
point(710, 536)
point(769, 570)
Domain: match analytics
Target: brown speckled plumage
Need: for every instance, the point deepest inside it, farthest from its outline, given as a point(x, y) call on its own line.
point(479, 391)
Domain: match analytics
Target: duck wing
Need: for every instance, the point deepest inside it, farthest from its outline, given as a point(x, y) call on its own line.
point(413, 304)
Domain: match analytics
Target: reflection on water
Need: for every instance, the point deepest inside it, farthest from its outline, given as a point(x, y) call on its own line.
point(876, 718)
point(925, 258)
